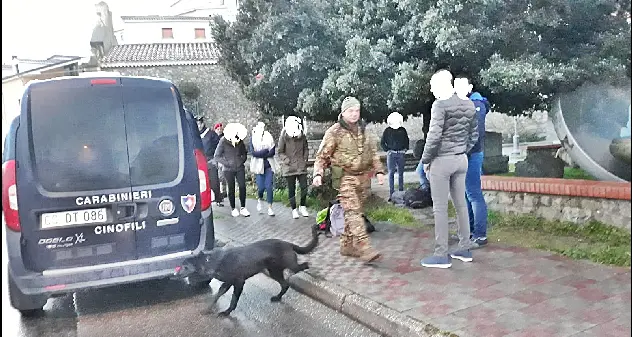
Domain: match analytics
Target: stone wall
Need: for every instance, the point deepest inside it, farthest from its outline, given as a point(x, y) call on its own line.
point(577, 201)
point(552, 207)
point(221, 99)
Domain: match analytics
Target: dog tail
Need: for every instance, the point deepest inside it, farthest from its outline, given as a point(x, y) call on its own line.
point(311, 245)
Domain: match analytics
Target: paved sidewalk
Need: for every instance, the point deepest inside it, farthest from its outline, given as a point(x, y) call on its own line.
point(506, 291)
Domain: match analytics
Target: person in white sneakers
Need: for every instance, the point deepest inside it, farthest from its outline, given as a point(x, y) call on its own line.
point(263, 165)
point(293, 153)
point(231, 154)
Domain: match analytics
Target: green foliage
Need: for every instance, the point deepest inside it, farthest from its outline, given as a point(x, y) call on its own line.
point(189, 90)
point(304, 57)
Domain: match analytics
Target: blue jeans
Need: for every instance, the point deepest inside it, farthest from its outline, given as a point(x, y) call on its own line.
point(423, 180)
point(476, 205)
point(395, 162)
point(265, 182)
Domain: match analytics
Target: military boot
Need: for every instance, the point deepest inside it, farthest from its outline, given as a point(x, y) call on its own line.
point(346, 247)
point(366, 252)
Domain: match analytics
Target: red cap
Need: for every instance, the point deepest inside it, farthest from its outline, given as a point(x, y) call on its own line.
point(218, 125)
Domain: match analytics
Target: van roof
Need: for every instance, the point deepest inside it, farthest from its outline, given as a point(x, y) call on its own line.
point(96, 75)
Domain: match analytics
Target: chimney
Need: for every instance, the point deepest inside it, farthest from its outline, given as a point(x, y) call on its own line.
point(16, 64)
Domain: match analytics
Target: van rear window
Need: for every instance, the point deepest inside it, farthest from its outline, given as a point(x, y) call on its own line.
point(152, 120)
point(84, 138)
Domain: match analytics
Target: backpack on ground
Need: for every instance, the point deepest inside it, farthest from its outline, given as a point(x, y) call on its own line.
point(397, 198)
point(417, 198)
point(334, 220)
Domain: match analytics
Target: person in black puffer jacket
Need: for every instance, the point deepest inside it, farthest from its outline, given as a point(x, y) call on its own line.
point(231, 154)
point(395, 142)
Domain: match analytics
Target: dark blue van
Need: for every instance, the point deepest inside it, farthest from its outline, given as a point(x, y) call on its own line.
point(104, 182)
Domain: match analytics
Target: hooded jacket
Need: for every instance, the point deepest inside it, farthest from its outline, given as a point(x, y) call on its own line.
point(293, 153)
point(232, 157)
point(482, 108)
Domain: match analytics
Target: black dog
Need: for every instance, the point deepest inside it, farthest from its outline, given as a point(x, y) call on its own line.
point(234, 266)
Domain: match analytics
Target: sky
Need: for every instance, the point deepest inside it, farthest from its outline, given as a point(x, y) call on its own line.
point(38, 29)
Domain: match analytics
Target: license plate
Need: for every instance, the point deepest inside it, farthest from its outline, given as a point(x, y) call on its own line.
point(70, 218)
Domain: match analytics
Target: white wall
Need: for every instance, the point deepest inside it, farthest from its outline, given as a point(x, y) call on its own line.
point(150, 31)
point(12, 91)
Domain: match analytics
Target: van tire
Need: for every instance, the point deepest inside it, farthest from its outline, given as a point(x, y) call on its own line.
point(27, 305)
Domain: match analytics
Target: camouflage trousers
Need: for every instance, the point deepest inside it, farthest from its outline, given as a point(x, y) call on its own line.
point(352, 194)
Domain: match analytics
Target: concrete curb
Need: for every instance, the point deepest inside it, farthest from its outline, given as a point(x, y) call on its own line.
point(374, 315)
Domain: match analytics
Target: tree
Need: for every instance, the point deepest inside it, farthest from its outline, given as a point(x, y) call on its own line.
point(275, 50)
point(524, 52)
point(190, 94)
point(304, 57)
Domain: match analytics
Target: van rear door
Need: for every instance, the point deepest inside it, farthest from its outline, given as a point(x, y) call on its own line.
point(73, 184)
point(162, 162)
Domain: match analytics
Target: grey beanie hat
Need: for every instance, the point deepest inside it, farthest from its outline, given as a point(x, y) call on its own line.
point(349, 102)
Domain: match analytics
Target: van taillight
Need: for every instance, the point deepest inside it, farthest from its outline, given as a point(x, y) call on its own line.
point(205, 188)
point(10, 196)
point(103, 81)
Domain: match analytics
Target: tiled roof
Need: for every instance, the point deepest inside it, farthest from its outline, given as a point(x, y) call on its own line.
point(164, 18)
point(160, 54)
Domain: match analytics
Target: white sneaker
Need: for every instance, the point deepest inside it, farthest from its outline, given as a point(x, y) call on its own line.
point(270, 211)
point(303, 211)
point(295, 213)
point(259, 207)
point(244, 212)
point(235, 213)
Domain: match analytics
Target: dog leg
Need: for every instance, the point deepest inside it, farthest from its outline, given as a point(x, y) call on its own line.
point(238, 287)
point(222, 290)
point(277, 275)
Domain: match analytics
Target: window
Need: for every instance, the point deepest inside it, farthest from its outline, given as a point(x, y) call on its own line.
point(167, 33)
point(200, 33)
point(78, 138)
point(89, 139)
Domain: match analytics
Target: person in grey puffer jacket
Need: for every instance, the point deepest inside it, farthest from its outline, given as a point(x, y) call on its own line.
point(452, 134)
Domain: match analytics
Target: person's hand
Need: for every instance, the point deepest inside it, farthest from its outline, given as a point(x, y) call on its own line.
point(317, 181)
point(426, 168)
point(380, 178)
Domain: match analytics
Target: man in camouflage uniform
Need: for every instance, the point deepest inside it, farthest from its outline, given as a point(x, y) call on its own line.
point(353, 153)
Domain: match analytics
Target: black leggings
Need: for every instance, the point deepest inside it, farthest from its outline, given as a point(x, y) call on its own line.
point(215, 183)
point(240, 176)
point(291, 189)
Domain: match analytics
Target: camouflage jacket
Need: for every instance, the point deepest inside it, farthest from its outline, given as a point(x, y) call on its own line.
point(354, 152)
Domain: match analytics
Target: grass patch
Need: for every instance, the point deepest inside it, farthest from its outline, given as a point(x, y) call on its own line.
point(569, 173)
point(593, 241)
point(377, 209)
point(281, 197)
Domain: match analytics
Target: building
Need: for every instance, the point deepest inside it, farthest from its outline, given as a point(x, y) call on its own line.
point(177, 47)
point(15, 76)
point(164, 29)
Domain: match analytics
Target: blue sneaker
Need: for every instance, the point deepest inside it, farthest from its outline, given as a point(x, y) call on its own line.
point(437, 262)
point(478, 243)
point(463, 255)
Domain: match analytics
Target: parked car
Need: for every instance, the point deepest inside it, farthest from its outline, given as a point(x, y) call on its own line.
point(104, 182)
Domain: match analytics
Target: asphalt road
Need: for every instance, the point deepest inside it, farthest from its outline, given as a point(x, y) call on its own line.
point(171, 309)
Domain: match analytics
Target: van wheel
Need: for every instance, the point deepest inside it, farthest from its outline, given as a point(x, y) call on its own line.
point(27, 305)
